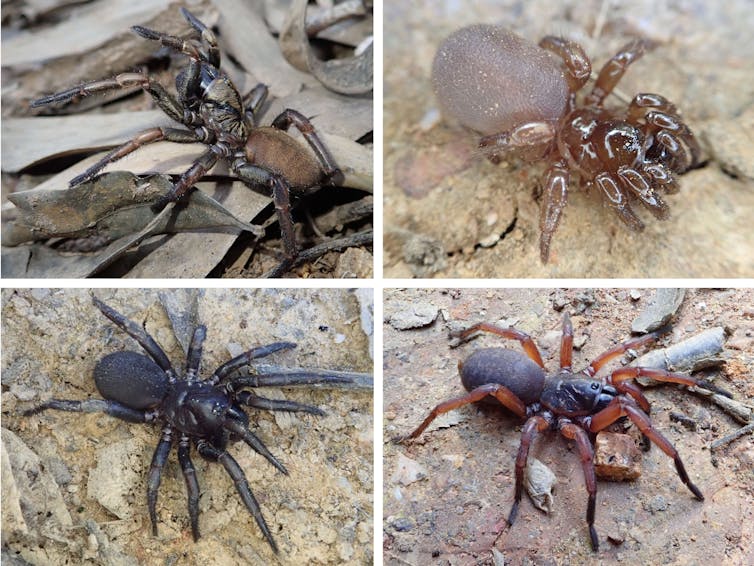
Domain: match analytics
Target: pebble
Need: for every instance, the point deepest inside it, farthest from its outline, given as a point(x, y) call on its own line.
point(657, 503)
point(402, 524)
point(413, 315)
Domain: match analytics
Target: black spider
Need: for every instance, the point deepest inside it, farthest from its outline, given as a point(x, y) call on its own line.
point(216, 114)
point(208, 412)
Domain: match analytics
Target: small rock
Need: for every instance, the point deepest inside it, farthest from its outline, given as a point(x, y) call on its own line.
point(559, 301)
point(635, 294)
point(579, 341)
point(703, 418)
point(412, 315)
point(119, 469)
point(408, 471)
point(658, 312)
point(616, 457)
point(657, 504)
point(550, 340)
point(402, 524)
point(617, 536)
point(490, 240)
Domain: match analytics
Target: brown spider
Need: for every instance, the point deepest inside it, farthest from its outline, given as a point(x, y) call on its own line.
point(574, 404)
point(216, 114)
point(523, 101)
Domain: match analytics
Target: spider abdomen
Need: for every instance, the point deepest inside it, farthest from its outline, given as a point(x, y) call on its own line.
point(492, 80)
point(506, 367)
point(132, 379)
point(277, 151)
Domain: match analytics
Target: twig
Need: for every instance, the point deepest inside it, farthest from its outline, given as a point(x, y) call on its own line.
point(731, 437)
point(739, 411)
point(697, 352)
point(359, 239)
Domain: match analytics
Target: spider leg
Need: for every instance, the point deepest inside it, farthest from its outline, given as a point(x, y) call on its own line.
point(577, 64)
point(506, 397)
point(530, 348)
point(586, 453)
point(528, 140)
point(188, 179)
point(286, 378)
point(254, 101)
point(566, 344)
point(194, 356)
point(112, 408)
point(290, 117)
point(243, 359)
point(622, 374)
point(192, 485)
point(624, 407)
point(614, 69)
point(159, 458)
point(671, 132)
point(164, 100)
point(641, 188)
point(659, 113)
point(533, 425)
point(251, 400)
point(146, 137)
point(619, 350)
point(187, 47)
point(662, 176)
point(554, 199)
point(617, 199)
point(139, 334)
point(281, 197)
point(633, 390)
point(645, 101)
point(253, 441)
point(213, 51)
point(242, 485)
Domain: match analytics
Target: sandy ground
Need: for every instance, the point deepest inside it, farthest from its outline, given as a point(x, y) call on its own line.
point(74, 485)
point(451, 213)
point(466, 467)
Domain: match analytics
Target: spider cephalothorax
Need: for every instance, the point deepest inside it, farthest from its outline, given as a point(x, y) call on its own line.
point(522, 100)
point(216, 114)
point(208, 413)
point(572, 403)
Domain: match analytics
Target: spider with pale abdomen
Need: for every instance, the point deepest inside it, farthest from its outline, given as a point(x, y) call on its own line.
point(521, 98)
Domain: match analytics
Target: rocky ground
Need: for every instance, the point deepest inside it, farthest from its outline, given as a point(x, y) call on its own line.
point(74, 486)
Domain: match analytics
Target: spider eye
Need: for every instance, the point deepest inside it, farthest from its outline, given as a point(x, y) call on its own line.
point(595, 386)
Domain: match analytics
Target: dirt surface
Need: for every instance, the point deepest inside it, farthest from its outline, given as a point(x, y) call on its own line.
point(74, 486)
point(451, 213)
point(445, 492)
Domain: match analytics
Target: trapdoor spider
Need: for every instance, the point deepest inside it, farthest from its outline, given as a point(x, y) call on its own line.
point(214, 112)
point(575, 404)
point(522, 100)
point(206, 413)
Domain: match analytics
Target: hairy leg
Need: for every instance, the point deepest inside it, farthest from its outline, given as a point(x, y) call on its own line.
point(159, 458)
